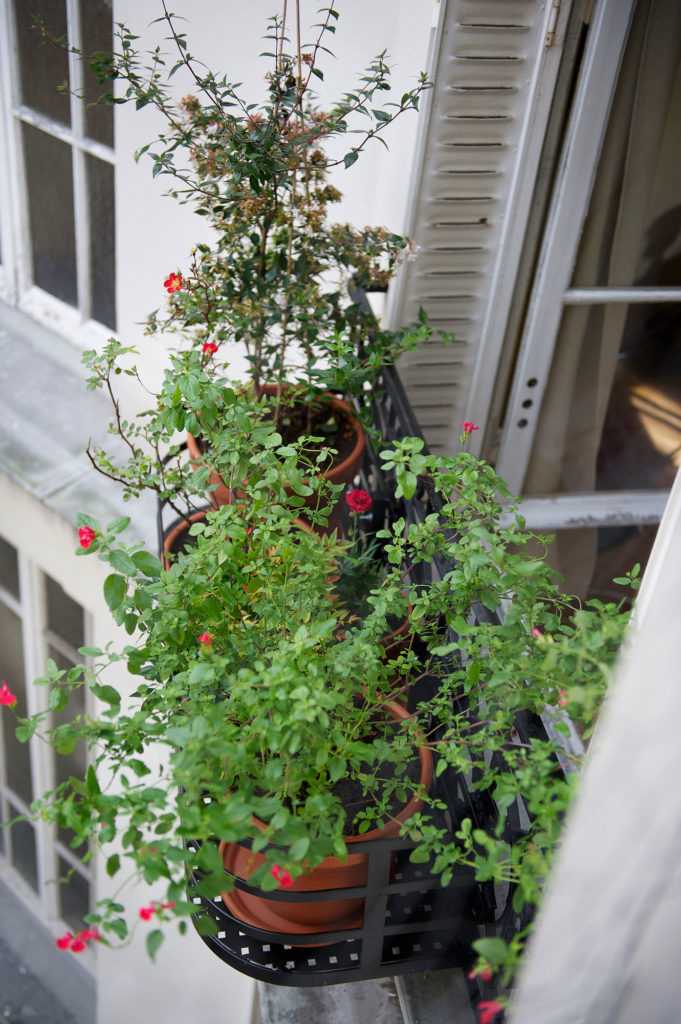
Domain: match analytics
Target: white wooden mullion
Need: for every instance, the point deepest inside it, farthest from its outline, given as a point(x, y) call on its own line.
point(63, 132)
point(36, 701)
point(598, 78)
point(81, 206)
point(629, 296)
point(7, 259)
point(9, 68)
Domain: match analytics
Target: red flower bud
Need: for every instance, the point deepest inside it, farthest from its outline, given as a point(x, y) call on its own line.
point(86, 535)
point(7, 698)
point(206, 639)
point(209, 347)
point(467, 427)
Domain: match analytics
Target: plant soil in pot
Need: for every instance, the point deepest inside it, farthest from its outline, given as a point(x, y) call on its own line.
point(328, 417)
point(322, 915)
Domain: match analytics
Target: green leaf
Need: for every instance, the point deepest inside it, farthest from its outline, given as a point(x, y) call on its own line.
point(122, 562)
point(493, 950)
point(27, 728)
point(118, 525)
point(419, 856)
point(154, 942)
point(381, 115)
point(350, 158)
point(90, 652)
point(91, 782)
point(106, 694)
point(147, 564)
point(113, 865)
point(299, 848)
point(115, 589)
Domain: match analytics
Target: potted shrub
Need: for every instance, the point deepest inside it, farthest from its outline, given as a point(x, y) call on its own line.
point(273, 283)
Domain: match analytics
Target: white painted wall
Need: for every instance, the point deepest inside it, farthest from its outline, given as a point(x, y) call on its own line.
point(153, 233)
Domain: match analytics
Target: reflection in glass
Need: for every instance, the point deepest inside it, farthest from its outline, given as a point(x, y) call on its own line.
point(24, 855)
point(74, 763)
point(100, 187)
point(65, 616)
point(9, 568)
point(96, 29)
point(74, 895)
point(17, 759)
point(43, 66)
point(49, 179)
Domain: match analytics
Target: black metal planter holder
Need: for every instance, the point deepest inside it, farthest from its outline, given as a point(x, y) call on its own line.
point(410, 922)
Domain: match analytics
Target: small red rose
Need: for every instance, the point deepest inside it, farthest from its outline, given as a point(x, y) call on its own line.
point(7, 698)
point(209, 347)
point(206, 639)
point(146, 913)
point(77, 946)
point(64, 941)
point(358, 500)
point(282, 876)
point(488, 1010)
point(86, 535)
point(484, 973)
point(536, 632)
point(173, 283)
point(468, 427)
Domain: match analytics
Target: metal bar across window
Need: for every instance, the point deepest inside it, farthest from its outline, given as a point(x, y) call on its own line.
point(603, 296)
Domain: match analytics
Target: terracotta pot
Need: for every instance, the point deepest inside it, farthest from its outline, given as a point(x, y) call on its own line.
point(170, 539)
point(222, 493)
point(332, 873)
point(342, 472)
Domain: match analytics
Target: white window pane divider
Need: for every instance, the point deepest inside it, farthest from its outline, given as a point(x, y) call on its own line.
point(61, 131)
point(33, 606)
point(586, 130)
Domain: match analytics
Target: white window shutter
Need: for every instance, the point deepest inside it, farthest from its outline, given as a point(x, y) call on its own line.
point(494, 64)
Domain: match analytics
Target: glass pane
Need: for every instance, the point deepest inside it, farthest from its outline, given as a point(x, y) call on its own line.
point(75, 763)
point(43, 65)
point(96, 28)
point(100, 183)
point(49, 179)
point(74, 895)
point(24, 856)
point(65, 617)
point(17, 759)
point(632, 235)
point(9, 568)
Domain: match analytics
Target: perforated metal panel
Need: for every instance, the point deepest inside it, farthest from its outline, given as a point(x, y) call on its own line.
point(484, 65)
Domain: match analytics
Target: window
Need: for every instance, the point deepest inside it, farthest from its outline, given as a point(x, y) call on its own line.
point(57, 246)
point(592, 431)
point(38, 620)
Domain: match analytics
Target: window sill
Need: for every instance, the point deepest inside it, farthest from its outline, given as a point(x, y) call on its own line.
point(49, 416)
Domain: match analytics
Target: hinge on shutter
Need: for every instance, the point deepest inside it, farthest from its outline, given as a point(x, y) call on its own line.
point(551, 27)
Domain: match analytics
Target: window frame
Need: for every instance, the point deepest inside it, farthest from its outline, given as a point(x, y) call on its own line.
point(17, 287)
point(31, 608)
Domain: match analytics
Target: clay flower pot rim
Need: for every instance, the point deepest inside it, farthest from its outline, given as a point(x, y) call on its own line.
point(334, 473)
point(179, 528)
point(410, 808)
